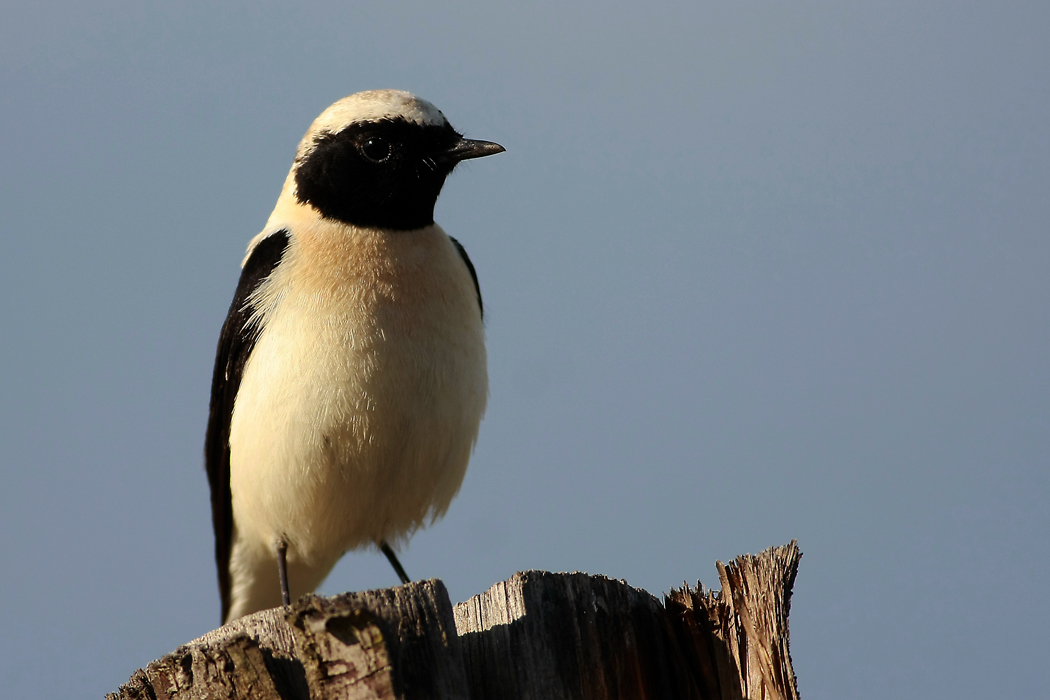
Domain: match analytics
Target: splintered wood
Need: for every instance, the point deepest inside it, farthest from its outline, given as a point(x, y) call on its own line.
point(538, 635)
point(737, 638)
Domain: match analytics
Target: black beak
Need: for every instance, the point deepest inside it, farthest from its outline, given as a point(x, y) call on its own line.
point(465, 149)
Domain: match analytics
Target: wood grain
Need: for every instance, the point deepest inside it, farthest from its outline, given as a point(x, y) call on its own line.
point(537, 635)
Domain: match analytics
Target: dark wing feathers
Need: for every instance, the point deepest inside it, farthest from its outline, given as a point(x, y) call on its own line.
point(473, 273)
point(235, 345)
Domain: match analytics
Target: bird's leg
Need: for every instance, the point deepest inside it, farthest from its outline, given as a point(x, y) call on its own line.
point(282, 570)
point(392, 558)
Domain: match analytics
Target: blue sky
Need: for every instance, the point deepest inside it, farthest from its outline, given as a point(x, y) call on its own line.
point(752, 272)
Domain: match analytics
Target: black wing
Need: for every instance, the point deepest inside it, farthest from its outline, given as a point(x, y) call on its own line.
point(473, 273)
point(235, 345)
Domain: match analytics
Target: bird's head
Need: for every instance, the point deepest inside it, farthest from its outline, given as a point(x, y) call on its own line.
point(378, 159)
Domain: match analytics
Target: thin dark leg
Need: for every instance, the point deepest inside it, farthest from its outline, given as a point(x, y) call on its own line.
point(282, 570)
point(392, 558)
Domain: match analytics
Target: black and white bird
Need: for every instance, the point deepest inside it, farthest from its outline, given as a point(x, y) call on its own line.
point(350, 377)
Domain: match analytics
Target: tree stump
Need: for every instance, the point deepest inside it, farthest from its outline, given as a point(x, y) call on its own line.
point(536, 635)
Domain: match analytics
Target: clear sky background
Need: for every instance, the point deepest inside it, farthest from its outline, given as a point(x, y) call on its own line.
point(752, 272)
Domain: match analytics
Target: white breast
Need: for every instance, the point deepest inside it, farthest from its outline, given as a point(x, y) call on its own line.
point(360, 404)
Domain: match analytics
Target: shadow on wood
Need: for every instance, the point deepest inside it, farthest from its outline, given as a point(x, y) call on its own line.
point(537, 635)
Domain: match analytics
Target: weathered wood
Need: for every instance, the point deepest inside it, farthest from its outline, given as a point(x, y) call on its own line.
point(737, 639)
point(543, 635)
point(537, 635)
point(398, 642)
point(416, 624)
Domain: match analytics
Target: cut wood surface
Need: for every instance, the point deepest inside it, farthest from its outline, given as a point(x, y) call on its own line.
point(536, 635)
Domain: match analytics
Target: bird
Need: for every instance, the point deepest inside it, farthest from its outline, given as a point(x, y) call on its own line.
point(351, 373)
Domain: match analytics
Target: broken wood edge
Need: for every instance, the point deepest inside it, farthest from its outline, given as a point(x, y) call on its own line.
point(738, 638)
point(406, 641)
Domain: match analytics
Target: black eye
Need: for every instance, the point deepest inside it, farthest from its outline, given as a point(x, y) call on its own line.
point(376, 149)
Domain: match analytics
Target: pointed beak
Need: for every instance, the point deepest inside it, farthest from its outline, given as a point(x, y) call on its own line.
point(465, 149)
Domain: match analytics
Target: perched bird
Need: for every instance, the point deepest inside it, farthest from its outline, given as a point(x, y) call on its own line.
point(350, 376)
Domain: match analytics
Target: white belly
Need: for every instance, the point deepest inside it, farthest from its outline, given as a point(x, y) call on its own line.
point(360, 403)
